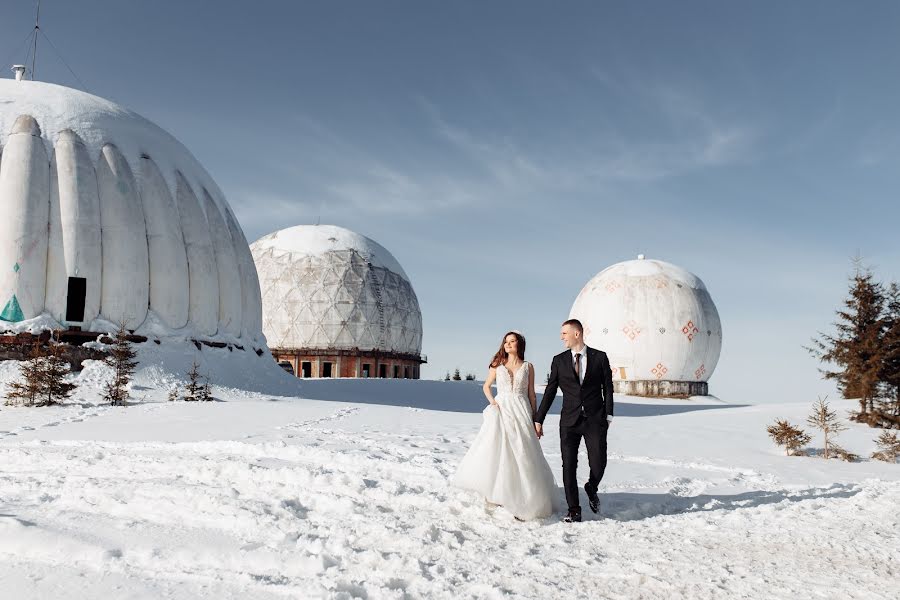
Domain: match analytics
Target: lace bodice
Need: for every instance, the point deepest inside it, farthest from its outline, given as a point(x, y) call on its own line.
point(516, 384)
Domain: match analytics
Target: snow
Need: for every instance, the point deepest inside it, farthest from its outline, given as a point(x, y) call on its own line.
point(338, 489)
point(652, 268)
point(312, 240)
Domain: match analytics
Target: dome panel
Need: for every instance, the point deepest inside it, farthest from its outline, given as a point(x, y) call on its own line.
point(125, 289)
point(74, 229)
point(202, 268)
point(229, 313)
point(25, 194)
point(169, 280)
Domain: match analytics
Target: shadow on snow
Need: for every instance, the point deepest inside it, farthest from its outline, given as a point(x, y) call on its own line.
point(629, 506)
point(460, 396)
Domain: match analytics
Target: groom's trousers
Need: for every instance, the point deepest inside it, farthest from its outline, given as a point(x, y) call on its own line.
point(594, 434)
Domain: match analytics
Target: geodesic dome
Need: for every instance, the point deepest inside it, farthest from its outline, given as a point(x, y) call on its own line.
point(656, 322)
point(325, 287)
point(108, 218)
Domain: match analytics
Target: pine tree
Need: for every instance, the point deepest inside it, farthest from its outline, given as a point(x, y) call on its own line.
point(825, 419)
point(785, 434)
point(856, 349)
point(28, 391)
point(890, 365)
point(194, 387)
point(122, 360)
point(206, 391)
point(174, 394)
point(456, 376)
point(888, 447)
point(54, 371)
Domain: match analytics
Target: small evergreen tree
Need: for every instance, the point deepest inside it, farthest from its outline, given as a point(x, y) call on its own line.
point(826, 420)
point(194, 387)
point(856, 349)
point(456, 376)
point(785, 434)
point(888, 447)
point(122, 360)
point(447, 376)
point(54, 372)
point(206, 390)
point(29, 390)
point(174, 394)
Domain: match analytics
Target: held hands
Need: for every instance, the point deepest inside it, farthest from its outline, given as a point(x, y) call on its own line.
point(539, 430)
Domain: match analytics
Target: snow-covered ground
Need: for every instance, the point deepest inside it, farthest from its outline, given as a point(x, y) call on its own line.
point(344, 495)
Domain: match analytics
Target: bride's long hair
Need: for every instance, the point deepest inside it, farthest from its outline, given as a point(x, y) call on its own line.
point(501, 356)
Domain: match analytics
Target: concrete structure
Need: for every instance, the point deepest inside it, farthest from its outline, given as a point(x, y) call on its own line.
point(106, 217)
point(658, 324)
point(337, 304)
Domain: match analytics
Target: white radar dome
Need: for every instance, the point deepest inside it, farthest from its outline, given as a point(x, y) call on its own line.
point(658, 325)
point(329, 288)
point(108, 218)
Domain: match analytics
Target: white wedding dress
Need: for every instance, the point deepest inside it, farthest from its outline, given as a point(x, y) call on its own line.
point(505, 463)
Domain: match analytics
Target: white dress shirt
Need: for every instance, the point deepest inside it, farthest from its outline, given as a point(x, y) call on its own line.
point(582, 360)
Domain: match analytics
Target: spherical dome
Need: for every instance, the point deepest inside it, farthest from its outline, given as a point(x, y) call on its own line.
point(329, 288)
point(108, 217)
point(655, 321)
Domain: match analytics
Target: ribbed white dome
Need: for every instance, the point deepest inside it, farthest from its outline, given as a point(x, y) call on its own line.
point(328, 287)
point(92, 190)
point(656, 321)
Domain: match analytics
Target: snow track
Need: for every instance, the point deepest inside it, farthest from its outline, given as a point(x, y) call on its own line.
point(335, 505)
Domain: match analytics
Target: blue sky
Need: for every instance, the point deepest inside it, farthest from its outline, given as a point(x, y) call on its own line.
point(505, 152)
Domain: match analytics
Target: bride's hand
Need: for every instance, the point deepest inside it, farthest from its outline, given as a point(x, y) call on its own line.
point(539, 430)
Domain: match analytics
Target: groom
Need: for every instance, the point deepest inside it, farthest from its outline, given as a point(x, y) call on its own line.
point(585, 378)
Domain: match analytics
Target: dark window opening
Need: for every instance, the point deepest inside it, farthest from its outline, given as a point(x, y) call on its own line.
point(75, 299)
point(406, 372)
point(287, 366)
point(382, 371)
point(306, 369)
point(366, 370)
point(396, 371)
point(326, 369)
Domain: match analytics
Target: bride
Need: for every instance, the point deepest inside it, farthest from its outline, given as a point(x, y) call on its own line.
point(505, 463)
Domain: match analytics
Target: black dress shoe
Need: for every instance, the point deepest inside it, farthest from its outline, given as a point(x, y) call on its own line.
point(573, 516)
point(593, 499)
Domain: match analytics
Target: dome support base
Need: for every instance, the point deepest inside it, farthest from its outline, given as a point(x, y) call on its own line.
point(662, 389)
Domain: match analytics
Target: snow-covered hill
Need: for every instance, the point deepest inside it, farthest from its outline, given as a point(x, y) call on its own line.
point(344, 495)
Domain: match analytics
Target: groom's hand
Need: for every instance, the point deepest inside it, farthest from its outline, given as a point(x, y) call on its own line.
point(539, 430)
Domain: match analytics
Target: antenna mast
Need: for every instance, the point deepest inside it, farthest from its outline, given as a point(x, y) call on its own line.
point(37, 30)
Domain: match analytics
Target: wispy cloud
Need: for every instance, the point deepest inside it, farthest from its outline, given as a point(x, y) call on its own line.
point(688, 138)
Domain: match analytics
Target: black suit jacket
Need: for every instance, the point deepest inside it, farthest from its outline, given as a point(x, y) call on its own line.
point(595, 393)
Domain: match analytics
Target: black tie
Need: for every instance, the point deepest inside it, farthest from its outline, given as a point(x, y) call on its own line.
point(578, 367)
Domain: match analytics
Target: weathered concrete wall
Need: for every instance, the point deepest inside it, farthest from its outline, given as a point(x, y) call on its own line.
point(662, 389)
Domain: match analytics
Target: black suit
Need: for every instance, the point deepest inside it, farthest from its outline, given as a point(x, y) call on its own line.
point(585, 408)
